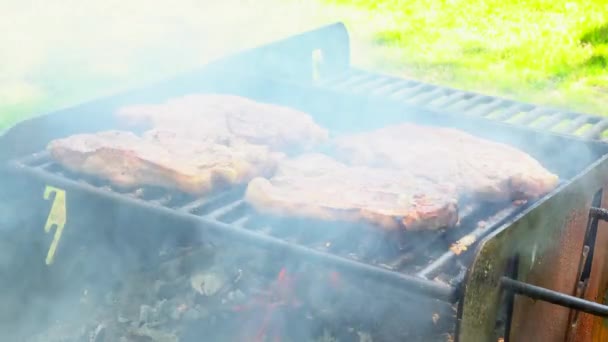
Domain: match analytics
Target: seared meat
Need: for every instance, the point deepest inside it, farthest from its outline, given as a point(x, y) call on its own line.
point(477, 167)
point(319, 187)
point(229, 117)
point(127, 160)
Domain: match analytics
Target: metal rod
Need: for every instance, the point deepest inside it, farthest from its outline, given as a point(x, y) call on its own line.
point(224, 209)
point(596, 131)
point(406, 282)
point(558, 298)
point(599, 213)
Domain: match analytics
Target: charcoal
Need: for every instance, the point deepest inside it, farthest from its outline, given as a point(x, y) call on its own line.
point(153, 335)
point(98, 335)
point(207, 284)
point(184, 301)
point(170, 289)
point(194, 314)
point(236, 295)
point(176, 314)
point(364, 337)
point(109, 299)
point(172, 269)
point(146, 314)
point(122, 319)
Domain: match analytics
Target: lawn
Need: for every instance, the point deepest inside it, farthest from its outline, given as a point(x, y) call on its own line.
point(64, 52)
point(545, 51)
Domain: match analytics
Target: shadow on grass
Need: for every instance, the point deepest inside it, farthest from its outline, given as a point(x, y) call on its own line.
point(597, 63)
point(596, 36)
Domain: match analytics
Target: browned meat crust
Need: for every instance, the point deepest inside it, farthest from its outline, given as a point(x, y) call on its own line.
point(477, 167)
point(229, 117)
point(319, 187)
point(127, 160)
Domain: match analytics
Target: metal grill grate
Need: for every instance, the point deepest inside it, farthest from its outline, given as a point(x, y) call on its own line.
point(469, 104)
point(410, 259)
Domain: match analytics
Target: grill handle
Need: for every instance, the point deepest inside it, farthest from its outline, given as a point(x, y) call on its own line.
point(558, 298)
point(599, 213)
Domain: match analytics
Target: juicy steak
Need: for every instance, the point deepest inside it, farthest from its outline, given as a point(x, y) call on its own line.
point(319, 187)
point(127, 160)
point(476, 167)
point(404, 176)
point(225, 118)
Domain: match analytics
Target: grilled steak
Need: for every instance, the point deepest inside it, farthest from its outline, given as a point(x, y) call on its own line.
point(477, 167)
point(127, 160)
point(319, 187)
point(229, 117)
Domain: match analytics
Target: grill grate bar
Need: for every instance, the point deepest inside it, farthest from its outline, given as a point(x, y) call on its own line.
point(162, 201)
point(512, 111)
point(438, 98)
point(200, 202)
point(405, 94)
point(45, 165)
point(391, 88)
point(554, 120)
point(34, 159)
point(425, 97)
point(596, 131)
point(485, 109)
point(242, 221)
point(468, 102)
point(217, 213)
point(194, 204)
point(452, 98)
point(372, 84)
point(354, 81)
point(467, 216)
point(532, 115)
point(463, 243)
point(575, 124)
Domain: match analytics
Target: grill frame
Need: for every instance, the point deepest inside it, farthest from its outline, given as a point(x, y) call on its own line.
point(290, 61)
point(420, 282)
point(208, 225)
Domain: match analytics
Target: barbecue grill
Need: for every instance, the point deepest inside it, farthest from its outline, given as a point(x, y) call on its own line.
point(532, 271)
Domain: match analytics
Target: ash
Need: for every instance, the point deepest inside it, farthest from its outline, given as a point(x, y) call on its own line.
point(214, 293)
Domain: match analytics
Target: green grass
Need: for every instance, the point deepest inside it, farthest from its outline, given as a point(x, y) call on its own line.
point(550, 52)
point(64, 52)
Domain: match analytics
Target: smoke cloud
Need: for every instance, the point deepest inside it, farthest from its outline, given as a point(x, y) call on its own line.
point(138, 269)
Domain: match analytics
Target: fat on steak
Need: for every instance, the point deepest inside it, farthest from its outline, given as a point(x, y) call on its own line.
point(478, 168)
point(317, 186)
point(227, 118)
point(127, 160)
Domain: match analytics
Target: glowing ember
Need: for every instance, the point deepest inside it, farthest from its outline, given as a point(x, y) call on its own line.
point(271, 306)
point(463, 244)
point(270, 303)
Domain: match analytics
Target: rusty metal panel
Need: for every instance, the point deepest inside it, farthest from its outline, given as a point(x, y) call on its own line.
point(548, 240)
point(556, 269)
point(591, 328)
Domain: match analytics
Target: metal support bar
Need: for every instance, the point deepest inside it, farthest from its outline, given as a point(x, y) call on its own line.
point(558, 298)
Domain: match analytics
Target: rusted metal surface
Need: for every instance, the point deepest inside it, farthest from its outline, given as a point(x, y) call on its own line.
point(556, 269)
point(589, 327)
point(548, 238)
